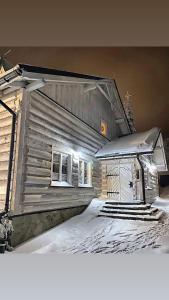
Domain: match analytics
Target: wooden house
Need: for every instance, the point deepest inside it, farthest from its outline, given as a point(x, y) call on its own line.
point(61, 135)
point(51, 125)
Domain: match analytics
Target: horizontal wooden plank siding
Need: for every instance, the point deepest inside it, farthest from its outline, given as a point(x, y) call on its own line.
point(49, 125)
point(13, 101)
point(90, 106)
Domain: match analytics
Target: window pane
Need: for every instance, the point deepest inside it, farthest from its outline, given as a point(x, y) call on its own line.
point(56, 164)
point(85, 173)
point(64, 167)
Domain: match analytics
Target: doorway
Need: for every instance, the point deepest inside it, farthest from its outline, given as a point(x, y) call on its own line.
point(120, 182)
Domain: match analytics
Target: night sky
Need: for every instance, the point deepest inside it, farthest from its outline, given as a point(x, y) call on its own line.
point(143, 72)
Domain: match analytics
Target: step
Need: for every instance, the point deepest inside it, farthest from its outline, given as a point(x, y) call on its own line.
point(154, 217)
point(131, 212)
point(132, 207)
point(124, 203)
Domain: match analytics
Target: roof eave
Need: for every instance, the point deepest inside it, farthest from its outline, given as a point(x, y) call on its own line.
point(122, 154)
point(30, 73)
point(10, 76)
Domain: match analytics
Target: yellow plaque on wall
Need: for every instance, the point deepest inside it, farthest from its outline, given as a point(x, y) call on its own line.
point(103, 127)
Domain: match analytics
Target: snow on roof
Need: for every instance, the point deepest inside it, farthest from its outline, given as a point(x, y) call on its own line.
point(131, 144)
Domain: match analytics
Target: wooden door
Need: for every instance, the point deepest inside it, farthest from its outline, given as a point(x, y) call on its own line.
point(113, 183)
point(126, 183)
point(120, 182)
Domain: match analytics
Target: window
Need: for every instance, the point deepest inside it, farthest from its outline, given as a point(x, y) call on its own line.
point(103, 128)
point(61, 169)
point(85, 173)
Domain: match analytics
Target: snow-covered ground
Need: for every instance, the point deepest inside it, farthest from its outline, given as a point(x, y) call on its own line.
point(87, 233)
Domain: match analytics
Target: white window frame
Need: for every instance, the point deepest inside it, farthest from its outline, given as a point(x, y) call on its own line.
point(89, 173)
point(61, 183)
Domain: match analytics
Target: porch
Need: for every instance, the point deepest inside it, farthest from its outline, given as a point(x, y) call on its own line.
point(130, 167)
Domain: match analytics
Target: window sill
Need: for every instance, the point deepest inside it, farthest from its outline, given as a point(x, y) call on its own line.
point(85, 185)
point(61, 184)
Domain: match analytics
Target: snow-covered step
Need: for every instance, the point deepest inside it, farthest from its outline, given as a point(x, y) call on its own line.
point(132, 207)
point(131, 212)
point(154, 217)
point(124, 203)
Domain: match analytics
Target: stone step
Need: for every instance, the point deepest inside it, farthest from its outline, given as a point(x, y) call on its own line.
point(154, 217)
point(124, 203)
point(128, 211)
point(132, 207)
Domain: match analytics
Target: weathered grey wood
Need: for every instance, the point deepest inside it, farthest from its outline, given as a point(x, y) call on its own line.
point(70, 95)
point(44, 101)
point(38, 171)
point(18, 166)
point(71, 130)
point(39, 145)
point(61, 121)
point(45, 130)
point(53, 131)
point(32, 161)
point(31, 180)
point(40, 125)
point(33, 208)
point(52, 138)
point(38, 154)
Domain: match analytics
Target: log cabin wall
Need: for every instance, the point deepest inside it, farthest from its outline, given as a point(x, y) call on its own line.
point(13, 100)
point(91, 106)
point(48, 125)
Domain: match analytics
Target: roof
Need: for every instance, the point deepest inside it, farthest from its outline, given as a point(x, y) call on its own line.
point(24, 71)
point(33, 78)
point(42, 70)
point(135, 143)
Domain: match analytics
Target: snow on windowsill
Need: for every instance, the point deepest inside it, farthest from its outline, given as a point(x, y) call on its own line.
point(85, 185)
point(61, 184)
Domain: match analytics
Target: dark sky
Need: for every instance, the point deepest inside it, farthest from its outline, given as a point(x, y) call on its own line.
point(144, 72)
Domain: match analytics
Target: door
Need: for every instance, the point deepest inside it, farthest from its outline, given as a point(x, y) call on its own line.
point(126, 183)
point(120, 182)
point(113, 183)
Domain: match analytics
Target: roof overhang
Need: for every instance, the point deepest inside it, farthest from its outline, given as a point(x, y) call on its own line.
point(133, 144)
point(27, 73)
point(32, 78)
